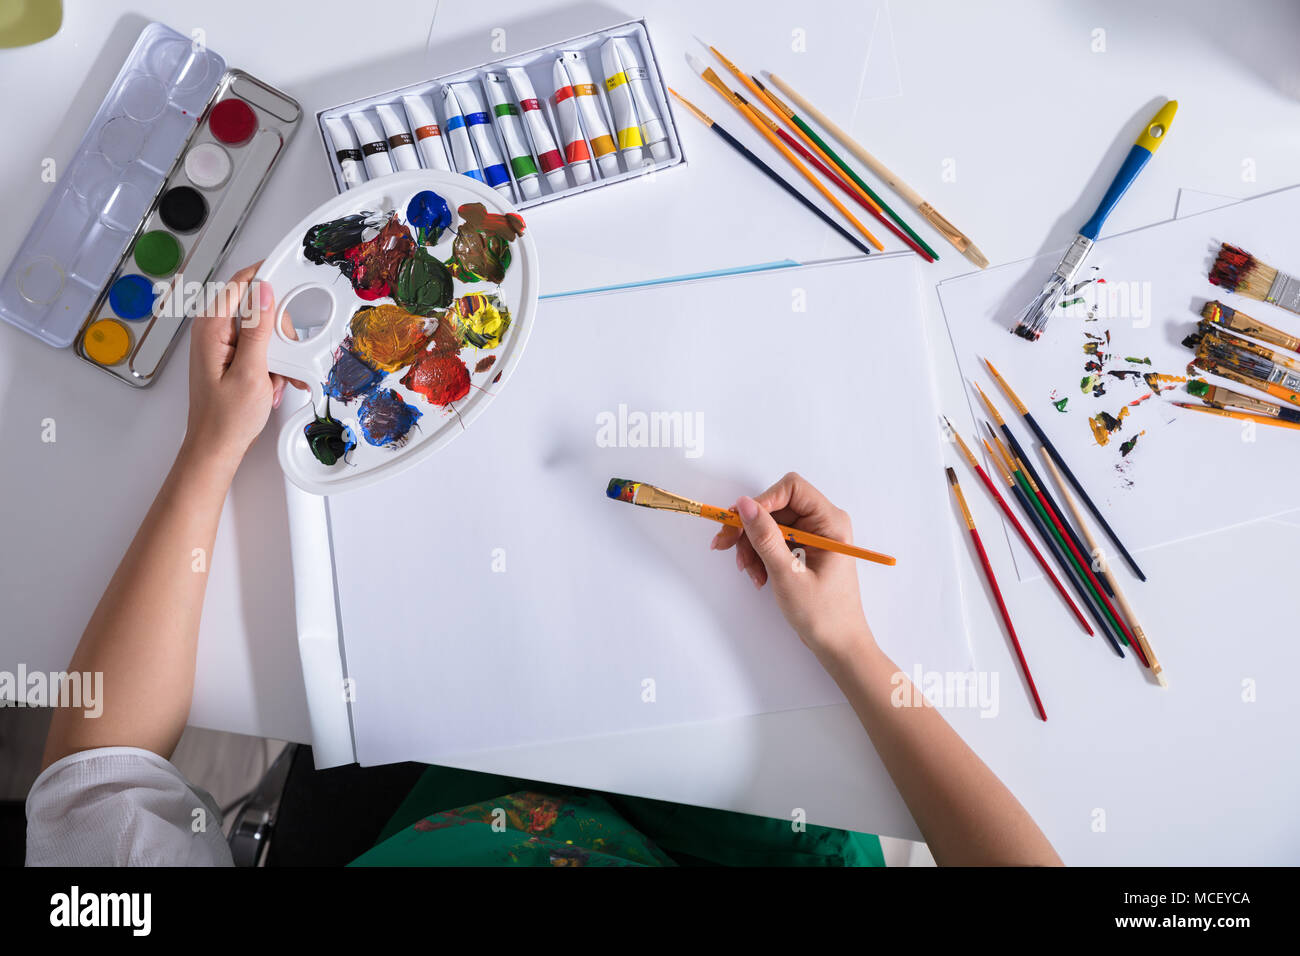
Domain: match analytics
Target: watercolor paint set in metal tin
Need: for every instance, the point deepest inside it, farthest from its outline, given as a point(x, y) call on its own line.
point(143, 214)
point(553, 122)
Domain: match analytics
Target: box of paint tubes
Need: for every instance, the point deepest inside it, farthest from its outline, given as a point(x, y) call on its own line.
point(537, 126)
point(141, 217)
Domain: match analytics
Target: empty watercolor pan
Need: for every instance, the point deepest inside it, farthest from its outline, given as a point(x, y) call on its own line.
point(148, 205)
point(538, 64)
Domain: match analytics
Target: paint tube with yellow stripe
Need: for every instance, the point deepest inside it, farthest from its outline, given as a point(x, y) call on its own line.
point(623, 70)
point(593, 115)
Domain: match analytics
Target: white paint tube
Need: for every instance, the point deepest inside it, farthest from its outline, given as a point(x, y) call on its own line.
point(549, 157)
point(626, 127)
point(620, 49)
point(428, 134)
point(593, 114)
point(462, 151)
point(347, 151)
point(373, 145)
point(480, 128)
point(576, 152)
point(506, 114)
point(401, 145)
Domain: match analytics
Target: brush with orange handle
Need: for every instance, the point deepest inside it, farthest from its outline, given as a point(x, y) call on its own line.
point(648, 496)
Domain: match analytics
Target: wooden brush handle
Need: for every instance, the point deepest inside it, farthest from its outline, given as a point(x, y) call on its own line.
point(795, 536)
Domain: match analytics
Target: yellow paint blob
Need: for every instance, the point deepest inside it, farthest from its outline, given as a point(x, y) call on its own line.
point(387, 336)
point(107, 342)
point(481, 319)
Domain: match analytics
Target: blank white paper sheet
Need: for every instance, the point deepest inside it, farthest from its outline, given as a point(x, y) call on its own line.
point(493, 596)
point(1189, 473)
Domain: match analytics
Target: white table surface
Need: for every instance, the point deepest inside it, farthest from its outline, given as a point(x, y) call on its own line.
point(1012, 98)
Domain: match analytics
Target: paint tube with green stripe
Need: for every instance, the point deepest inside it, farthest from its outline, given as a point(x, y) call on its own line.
point(506, 114)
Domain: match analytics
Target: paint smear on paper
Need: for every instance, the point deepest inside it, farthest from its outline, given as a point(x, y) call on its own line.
point(1103, 423)
point(1129, 445)
point(484, 364)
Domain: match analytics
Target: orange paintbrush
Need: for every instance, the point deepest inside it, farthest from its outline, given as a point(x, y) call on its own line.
point(648, 496)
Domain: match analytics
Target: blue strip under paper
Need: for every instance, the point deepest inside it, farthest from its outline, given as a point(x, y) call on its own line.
point(665, 280)
point(475, 174)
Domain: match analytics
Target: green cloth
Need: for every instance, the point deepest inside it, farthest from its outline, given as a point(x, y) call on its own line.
point(463, 818)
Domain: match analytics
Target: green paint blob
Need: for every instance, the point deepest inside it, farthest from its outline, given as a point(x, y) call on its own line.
point(1137, 361)
point(1060, 405)
point(1198, 387)
point(158, 253)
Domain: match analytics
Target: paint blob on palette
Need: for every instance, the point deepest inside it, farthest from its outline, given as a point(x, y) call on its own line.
point(142, 215)
point(431, 283)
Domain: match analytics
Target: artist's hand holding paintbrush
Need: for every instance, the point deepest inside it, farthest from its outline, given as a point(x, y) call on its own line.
point(231, 392)
point(967, 815)
point(817, 590)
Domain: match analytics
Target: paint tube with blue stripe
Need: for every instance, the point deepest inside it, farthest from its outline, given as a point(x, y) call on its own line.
point(462, 151)
point(480, 128)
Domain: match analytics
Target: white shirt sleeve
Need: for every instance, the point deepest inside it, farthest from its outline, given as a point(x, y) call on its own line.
point(121, 806)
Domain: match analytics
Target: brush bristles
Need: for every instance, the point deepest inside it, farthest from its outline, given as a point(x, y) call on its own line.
point(1238, 271)
point(1033, 321)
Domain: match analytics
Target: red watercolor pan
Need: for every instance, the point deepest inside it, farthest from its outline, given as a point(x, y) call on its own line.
point(232, 122)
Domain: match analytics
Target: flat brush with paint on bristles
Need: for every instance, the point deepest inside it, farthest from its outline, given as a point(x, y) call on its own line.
point(1216, 354)
point(1238, 271)
point(1228, 337)
point(1240, 416)
point(767, 170)
point(993, 586)
point(1217, 396)
point(648, 496)
point(1033, 320)
point(1216, 313)
point(768, 129)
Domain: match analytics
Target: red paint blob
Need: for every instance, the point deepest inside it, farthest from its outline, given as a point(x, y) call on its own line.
point(441, 379)
point(233, 122)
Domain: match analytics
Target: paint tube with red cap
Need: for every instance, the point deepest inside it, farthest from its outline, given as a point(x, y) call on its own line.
point(428, 135)
point(576, 153)
point(480, 128)
point(593, 115)
point(549, 157)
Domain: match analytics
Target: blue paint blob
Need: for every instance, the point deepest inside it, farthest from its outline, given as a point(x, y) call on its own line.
point(350, 377)
point(429, 214)
point(131, 297)
point(385, 419)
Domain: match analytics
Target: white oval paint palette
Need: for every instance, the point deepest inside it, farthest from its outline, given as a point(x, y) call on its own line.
point(406, 332)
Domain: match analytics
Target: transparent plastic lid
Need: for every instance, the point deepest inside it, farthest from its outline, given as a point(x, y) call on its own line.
point(101, 196)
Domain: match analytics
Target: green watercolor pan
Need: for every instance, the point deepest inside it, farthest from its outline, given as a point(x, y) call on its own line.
point(141, 217)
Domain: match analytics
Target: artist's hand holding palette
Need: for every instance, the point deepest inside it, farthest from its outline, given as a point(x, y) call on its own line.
point(432, 284)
